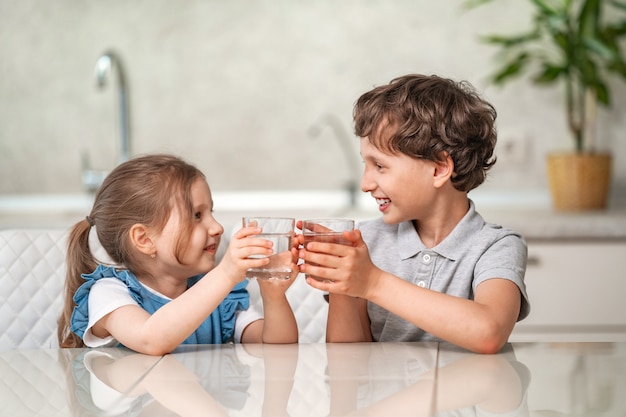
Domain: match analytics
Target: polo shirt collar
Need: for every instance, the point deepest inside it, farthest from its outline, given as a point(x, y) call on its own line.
point(410, 244)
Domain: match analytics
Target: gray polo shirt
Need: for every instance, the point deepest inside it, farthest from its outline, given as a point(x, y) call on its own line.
point(474, 252)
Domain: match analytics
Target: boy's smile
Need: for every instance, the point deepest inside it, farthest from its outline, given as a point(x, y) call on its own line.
point(383, 203)
point(400, 184)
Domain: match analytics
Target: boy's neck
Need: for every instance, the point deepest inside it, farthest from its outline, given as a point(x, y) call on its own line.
point(434, 229)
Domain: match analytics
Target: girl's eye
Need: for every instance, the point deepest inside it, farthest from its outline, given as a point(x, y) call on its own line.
point(197, 215)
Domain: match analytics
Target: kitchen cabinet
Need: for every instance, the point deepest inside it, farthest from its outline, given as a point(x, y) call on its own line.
point(577, 291)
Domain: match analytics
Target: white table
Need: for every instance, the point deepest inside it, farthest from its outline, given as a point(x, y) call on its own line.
point(378, 379)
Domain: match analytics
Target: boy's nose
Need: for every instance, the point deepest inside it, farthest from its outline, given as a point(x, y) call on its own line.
point(366, 184)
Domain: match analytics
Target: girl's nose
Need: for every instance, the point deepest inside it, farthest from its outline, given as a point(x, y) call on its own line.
point(214, 227)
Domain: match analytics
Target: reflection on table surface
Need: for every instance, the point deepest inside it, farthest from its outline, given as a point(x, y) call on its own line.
point(368, 379)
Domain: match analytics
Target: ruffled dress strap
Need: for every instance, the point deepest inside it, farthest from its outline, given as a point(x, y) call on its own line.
point(219, 327)
point(80, 315)
point(238, 299)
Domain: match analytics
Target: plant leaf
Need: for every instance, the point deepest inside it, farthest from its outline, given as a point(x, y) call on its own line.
point(549, 74)
point(510, 69)
point(510, 41)
point(472, 4)
point(589, 18)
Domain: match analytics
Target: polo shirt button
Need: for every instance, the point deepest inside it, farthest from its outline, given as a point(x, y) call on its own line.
point(426, 258)
point(421, 284)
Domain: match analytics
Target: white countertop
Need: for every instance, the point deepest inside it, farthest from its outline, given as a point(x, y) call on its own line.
point(318, 379)
point(546, 224)
point(528, 212)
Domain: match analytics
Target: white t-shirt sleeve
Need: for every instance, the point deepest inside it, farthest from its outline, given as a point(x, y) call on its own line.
point(243, 318)
point(109, 294)
point(105, 296)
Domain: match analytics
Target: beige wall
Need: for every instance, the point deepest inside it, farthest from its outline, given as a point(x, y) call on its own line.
point(233, 86)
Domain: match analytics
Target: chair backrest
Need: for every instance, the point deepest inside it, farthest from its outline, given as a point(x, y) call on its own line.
point(308, 305)
point(32, 273)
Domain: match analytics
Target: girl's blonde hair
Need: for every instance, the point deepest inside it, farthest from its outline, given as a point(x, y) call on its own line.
point(142, 190)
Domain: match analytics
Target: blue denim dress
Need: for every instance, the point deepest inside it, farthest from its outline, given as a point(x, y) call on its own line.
point(218, 328)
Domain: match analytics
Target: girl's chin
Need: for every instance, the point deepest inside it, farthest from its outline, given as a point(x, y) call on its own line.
point(207, 264)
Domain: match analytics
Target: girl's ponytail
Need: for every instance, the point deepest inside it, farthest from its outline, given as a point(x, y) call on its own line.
point(79, 260)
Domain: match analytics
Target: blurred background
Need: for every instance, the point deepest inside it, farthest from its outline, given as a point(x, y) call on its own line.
point(258, 94)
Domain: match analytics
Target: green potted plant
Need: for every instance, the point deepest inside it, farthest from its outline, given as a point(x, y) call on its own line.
point(572, 44)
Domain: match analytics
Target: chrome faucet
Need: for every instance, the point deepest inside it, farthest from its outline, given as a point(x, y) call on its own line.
point(345, 142)
point(92, 179)
point(104, 66)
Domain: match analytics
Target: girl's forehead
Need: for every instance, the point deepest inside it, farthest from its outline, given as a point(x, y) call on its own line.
point(201, 192)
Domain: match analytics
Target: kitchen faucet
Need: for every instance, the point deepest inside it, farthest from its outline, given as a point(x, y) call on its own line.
point(92, 179)
point(104, 67)
point(344, 140)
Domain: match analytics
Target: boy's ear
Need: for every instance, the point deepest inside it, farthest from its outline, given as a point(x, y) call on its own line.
point(140, 238)
point(444, 170)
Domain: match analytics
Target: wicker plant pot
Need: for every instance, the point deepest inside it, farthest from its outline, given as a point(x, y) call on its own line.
point(579, 181)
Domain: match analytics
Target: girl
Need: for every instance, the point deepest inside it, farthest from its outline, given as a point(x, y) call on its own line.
point(153, 216)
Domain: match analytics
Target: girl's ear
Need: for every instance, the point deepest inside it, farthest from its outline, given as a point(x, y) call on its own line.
point(444, 170)
point(140, 238)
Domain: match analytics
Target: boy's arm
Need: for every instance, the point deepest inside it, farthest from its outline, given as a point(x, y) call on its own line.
point(481, 325)
point(348, 320)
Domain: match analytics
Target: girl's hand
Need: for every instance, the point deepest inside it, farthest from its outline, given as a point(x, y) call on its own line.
point(342, 269)
point(279, 323)
point(244, 243)
point(278, 287)
point(298, 239)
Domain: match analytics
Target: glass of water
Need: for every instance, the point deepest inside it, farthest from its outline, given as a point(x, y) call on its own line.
point(325, 230)
point(280, 231)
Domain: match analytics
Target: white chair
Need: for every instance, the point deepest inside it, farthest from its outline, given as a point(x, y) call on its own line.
point(32, 272)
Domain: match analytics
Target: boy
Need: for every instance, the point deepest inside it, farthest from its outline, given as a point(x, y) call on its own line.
point(430, 268)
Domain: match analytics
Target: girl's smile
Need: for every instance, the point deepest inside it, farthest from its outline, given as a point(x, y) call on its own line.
point(212, 248)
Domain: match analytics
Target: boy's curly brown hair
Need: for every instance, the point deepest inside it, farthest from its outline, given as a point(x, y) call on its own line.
point(430, 117)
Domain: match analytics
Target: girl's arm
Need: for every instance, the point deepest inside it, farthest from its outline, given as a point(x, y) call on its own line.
point(171, 324)
point(279, 324)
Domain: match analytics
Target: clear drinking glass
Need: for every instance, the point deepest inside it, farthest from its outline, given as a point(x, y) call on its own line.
point(280, 231)
point(325, 230)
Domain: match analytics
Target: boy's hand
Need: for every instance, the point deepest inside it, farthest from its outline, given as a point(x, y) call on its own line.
point(343, 269)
